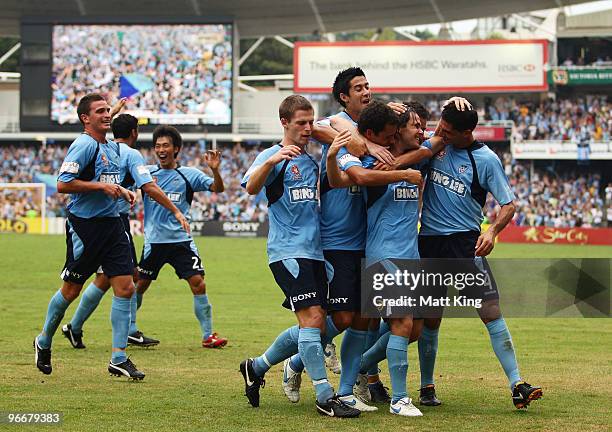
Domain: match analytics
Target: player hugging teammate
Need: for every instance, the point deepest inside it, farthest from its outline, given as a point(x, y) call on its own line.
point(316, 256)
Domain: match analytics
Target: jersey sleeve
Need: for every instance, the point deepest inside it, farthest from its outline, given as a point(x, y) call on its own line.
point(79, 155)
point(200, 182)
point(259, 160)
point(496, 181)
point(347, 160)
point(138, 169)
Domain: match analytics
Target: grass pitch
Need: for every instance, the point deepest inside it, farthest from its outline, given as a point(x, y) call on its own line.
point(190, 388)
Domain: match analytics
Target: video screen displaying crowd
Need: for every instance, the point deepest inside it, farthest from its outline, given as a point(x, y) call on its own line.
point(189, 67)
point(546, 198)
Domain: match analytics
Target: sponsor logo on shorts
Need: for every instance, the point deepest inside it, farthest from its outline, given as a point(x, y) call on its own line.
point(405, 193)
point(143, 271)
point(302, 194)
point(338, 300)
point(110, 177)
point(354, 190)
point(302, 297)
point(448, 182)
point(70, 168)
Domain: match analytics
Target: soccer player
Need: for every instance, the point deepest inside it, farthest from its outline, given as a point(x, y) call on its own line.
point(289, 177)
point(133, 174)
point(343, 242)
point(450, 228)
point(166, 242)
point(95, 234)
point(392, 217)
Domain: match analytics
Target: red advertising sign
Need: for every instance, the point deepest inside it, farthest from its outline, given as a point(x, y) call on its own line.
point(490, 133)
point(550, 235)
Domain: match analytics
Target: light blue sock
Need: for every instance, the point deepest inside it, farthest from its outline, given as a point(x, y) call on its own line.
point(90, 299)
point(203, 311)
point(133, 309)
point(120, 321)
point(285, 345)
point(330, 333)
point(428, 349)
point(55, 312)
point(311, 351)
point(353, 344)
point(504, 349)
point(138, 300)
point(383, 328)
point(397, 357)
point(375, 354)
point(370, 341)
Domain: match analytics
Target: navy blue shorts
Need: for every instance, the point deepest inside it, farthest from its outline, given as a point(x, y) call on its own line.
point(182, 256)
point(460, 245)
point(95, 242)
point(303, 282)
point(344, 279)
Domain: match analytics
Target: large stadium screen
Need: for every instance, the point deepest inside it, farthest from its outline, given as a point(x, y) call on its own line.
point(170, 73)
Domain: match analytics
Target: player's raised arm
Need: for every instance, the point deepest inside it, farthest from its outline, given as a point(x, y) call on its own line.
point(338, 178)
point(257, 178)
point(356, 145)
point(213, 160)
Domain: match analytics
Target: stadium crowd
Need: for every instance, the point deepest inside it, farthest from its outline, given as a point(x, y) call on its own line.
point(561, 119)
point(198, 56)
point(548, 198)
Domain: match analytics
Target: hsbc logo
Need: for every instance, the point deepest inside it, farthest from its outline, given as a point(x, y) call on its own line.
point(516, 68)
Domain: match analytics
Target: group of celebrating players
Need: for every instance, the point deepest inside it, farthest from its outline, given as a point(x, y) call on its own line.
point(377, 178)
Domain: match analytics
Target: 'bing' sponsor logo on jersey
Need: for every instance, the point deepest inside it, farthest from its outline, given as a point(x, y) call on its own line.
point(302, 194)
point(448, 182)
point(110, 177)
point(405, 193)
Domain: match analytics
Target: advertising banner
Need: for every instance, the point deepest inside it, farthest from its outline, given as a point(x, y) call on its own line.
point(550, 235)
point(425, 67)
point(582, 76)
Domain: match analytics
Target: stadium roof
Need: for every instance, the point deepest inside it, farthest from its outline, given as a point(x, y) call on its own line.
point(275, 17)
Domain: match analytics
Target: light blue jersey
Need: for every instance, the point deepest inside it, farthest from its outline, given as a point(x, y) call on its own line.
point(89, 160)
point(179, 185)
point(455, 193)
point(291, 189)
point(342, 209)
point(392, 214)
point(133, 172)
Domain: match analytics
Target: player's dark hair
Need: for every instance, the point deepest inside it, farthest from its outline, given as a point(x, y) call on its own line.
point(460, 120)
point(376, 115)
point(419, 108)
point(172, 133)
point(342, 83)
point(291, 104)
point(405, 117)
point(85, 103)
point(123, 125)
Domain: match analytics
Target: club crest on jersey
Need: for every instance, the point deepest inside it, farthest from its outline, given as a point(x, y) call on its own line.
point(448, 182)
point(302, 194)
point(104, 159)
point(405, 193)
point(462, 169)
point(295, 172)
point(441, 154)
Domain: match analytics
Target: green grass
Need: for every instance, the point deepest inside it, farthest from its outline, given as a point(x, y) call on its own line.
point(189, 388)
